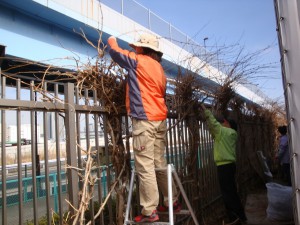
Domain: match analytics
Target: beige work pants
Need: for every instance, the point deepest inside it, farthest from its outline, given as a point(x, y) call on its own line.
point(149, 142)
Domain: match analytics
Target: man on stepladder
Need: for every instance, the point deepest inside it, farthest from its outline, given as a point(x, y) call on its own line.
point(145, 103)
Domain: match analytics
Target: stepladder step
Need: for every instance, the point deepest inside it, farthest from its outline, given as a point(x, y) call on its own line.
point(181, 212)
point(148, 223)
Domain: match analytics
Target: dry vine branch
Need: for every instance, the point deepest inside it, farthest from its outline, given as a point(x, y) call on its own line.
point(86, 193)
point(108, 79)
point(235, 67)
point(109, 194)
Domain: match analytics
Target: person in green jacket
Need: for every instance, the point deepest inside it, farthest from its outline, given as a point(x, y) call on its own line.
point(224, 133)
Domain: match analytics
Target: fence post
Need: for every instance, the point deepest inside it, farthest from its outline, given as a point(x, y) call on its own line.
point(3, 155)
point(72, 175)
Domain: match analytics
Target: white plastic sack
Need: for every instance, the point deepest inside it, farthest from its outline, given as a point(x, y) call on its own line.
point(279, 202)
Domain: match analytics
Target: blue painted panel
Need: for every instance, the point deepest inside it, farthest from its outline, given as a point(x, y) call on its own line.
point(27, 37)
point(36, 32)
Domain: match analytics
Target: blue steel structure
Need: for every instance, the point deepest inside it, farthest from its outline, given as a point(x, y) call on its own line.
point(32, 31)
point(48, 31)
point(37, 31)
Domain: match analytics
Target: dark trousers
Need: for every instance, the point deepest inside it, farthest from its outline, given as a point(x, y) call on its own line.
point(233, 205)
point(286, 172)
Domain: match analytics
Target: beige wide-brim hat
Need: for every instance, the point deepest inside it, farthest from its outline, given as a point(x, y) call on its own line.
point(148, 41)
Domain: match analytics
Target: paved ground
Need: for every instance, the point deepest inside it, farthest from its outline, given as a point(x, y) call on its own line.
point(255, 208)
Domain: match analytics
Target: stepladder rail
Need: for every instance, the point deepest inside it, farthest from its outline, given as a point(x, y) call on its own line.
point(170, 171)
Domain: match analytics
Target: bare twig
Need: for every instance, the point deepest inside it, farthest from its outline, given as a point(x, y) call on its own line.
point(109, 194)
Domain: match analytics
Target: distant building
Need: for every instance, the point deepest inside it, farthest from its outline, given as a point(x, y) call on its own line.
point(51, 130)
point(11, 132)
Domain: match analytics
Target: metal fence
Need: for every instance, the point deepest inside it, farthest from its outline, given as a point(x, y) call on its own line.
point(35, 186)
point(39, 190)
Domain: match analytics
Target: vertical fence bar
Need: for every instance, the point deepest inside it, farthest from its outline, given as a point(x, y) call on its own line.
point(87, 121)
point(78, 128)
point(170, 142)
point(46, 160)
point(167, 142)
point(184, 149)
point(180, 165)
point(206, 148)
point(19, 156)
point(34, 164)
point(202, 161)
point(211, 169)
point(58, 165)
point(71, 146)
point(3, 156)
point(175, 161)
point(211, 166)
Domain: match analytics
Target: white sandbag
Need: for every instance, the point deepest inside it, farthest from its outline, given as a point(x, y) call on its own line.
point(279, 202)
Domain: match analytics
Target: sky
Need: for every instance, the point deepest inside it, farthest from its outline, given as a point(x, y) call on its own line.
point(252, 24)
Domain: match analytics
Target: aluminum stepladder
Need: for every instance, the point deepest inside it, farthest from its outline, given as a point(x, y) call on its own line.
point(170, 170)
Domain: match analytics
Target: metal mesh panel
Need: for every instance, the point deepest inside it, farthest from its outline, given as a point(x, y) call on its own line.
point(159, 26)
point(116, 4)
point(136, 12)
point(178, 37)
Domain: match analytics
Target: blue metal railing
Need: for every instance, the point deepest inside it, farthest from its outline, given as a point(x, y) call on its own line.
point(14, 198)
